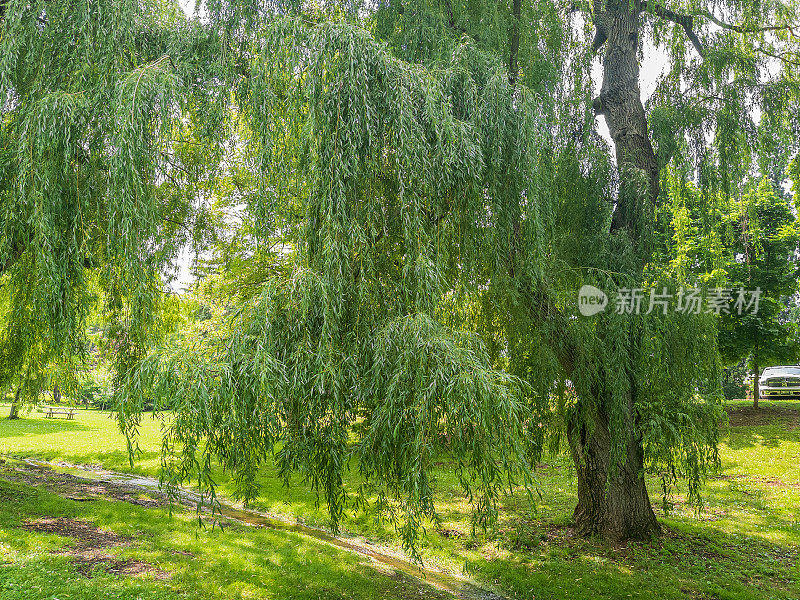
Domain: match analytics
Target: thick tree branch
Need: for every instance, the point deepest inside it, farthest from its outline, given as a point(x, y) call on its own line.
point(448, 7)
point(599, 18)
point(685, 21)
point(741, 29)
point(16, 253)
point(783, 56)
point(451, 21)
point(600, 37)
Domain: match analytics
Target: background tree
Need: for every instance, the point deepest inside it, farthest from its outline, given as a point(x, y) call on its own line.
point(765, 257)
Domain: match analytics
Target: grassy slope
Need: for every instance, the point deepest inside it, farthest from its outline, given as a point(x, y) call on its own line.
point(743, 545)
point(239, 562)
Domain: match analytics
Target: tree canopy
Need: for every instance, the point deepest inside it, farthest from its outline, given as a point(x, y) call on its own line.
point(765, 242)
point(422, 191)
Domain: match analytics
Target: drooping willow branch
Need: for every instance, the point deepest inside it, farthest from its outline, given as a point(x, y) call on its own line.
point(513, 65)
point(783, 56)
point(741, 29)
point(685, 21)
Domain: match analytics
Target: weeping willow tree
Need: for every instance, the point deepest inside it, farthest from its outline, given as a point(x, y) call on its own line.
point(429, 178)
point(89, 115)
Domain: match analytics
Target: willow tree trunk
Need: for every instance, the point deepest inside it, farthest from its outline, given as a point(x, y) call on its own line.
point(612, 496)
point(756, 390)
point(621, 105)
point(14, 413)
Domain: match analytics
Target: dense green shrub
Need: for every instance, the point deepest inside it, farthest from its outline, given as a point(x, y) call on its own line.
point(734, 383)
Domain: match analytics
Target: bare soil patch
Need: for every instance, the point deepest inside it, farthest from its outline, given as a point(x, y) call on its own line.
point(409, 588)
point(770, 482)
point(87, 562)
point(450, 533)
point(88, 554)
point(747, 416)
point(84, 533)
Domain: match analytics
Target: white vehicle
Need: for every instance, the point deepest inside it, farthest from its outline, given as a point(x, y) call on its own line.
point(779, 382)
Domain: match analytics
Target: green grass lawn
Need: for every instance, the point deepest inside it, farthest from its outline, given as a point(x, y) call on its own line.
point(743, 544)
point(167, 557)
point(92, 437)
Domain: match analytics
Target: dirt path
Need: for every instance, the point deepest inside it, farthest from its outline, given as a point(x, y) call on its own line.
point(86, 483)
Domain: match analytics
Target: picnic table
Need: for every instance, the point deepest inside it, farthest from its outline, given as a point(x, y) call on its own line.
point(51, 411)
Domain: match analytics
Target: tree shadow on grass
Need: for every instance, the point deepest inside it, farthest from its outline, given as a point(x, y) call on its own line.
point(766, 437)
point(238, 561)
point(767, 426)
point(688, 561)
point(783, 412)
point(293, 567)
point(34, 426)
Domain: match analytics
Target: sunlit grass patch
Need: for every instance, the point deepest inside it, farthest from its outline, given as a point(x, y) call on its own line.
point(92, 437)
point(157, 556)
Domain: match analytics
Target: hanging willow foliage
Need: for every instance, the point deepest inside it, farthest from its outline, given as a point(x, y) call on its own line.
point(421, 187)
point(353, 336)
point(88, 111)
point(432, 174)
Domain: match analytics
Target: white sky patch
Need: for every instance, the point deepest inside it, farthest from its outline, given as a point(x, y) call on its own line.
point(187, 6)
point(184, 278)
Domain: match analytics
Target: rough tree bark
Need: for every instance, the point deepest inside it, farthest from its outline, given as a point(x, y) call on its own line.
point(612, 497)
point(756, 390)
point(620, 104)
